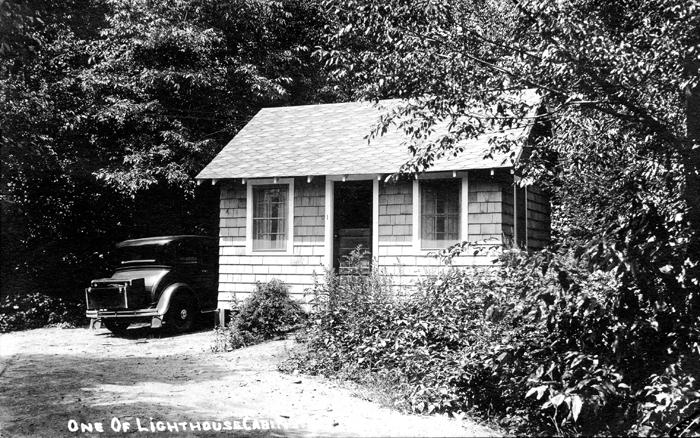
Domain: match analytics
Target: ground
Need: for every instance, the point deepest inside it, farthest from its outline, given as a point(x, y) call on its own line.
point(53, 381)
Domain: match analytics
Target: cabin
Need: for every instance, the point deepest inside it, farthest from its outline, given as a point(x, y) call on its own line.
point(302, 186)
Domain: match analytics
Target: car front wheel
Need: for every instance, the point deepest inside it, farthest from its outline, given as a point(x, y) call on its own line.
point(180, 316)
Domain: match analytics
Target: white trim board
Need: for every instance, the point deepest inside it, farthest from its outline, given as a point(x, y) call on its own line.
point(249, 215)
point(463, 211)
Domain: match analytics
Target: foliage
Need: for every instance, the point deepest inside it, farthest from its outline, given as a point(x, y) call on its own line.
point(231, 338)
point(539, 343)
point(38, 310)
point(672, 398)
point(461, 62)
point(614, 142)
point(155, 61)
point(267, 312)
point(110, 108)
point(354, 287)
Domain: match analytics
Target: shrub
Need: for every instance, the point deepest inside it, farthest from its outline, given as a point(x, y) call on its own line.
point(269, 311)
point(231, 338)
point(539, 343)
point(416, 340)
point(21, 312)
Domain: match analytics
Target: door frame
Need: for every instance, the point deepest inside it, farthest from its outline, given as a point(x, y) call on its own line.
point(329, 224)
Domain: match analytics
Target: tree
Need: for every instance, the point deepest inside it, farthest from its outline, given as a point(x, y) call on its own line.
point(174, 80)
point(118, 106)
point(620, 83)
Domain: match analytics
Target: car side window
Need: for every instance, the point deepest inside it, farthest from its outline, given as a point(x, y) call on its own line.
point(188, 253)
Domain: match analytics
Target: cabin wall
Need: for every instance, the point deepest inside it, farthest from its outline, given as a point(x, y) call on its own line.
point(232, 219)
point(538, 218)
point(508, 225)
point(395, 212)
point(401, 258)
point(490, 219)
point(239, 273)
point(309, 208)
point(485, 210)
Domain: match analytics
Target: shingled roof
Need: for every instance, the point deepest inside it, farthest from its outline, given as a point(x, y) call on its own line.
point(330, 139)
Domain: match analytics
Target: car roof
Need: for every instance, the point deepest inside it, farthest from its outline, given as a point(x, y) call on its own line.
point(162, 240)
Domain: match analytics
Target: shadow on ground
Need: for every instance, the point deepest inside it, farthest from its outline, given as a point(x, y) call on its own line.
point(143, 330)
point(50, 377)
point(142, 376)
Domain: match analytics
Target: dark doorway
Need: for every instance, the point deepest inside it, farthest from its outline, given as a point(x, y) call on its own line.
point(352, 222)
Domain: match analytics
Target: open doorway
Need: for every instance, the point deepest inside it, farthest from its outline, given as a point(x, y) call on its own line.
point(352, 217)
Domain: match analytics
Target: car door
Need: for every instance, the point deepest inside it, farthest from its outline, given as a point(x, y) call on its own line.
point(210, 273)
point(188, 267)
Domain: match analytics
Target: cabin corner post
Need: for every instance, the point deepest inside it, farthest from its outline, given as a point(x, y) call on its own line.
point(527, 213)
point(375, 219)
point(464, 213)
point(328, 225)
point(415, 211)
point(249, 219)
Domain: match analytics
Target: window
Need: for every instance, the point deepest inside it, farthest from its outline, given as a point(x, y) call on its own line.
point(270, 211)
point(439, 213)
point(187, 253)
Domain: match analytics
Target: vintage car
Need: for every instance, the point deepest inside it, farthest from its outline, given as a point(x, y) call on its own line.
point(162, 280)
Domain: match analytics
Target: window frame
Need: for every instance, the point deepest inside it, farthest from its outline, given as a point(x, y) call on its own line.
point(447, 218)
point(463, 223)
point(250, 208)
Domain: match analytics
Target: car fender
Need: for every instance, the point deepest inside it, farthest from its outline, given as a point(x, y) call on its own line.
point(172, 290)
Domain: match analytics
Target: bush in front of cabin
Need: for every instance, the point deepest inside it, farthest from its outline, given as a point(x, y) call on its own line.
point(231, 337)
point(413, 343)
point(267, 312)
point(341, 306)
point(539, 344)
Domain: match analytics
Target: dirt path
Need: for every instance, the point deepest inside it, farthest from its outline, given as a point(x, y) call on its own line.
point(53, 381)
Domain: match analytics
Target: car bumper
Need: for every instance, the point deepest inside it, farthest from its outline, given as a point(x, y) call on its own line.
point(155, 317)
point(122, 313)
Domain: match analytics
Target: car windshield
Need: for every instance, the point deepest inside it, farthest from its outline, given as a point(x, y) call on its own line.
point(143, 254)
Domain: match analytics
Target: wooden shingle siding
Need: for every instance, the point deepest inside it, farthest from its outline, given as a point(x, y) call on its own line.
point(490, 213)
point(239, 272)
point(309, 210)
point(395, 212)
point(507, 216)
point(232, 214)
point(405, 262)
point(538, 218)
point(407, 268)
point(485, 210)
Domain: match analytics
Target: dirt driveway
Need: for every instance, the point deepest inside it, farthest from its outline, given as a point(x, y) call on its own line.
point(56, 382)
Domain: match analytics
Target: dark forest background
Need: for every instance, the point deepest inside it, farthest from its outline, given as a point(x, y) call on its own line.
point(110, 108)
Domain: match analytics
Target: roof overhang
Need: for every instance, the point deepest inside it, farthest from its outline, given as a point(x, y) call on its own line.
point(332, 141)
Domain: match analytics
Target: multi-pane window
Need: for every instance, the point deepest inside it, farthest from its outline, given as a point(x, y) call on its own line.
point(270, 211)
point(439, 213)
